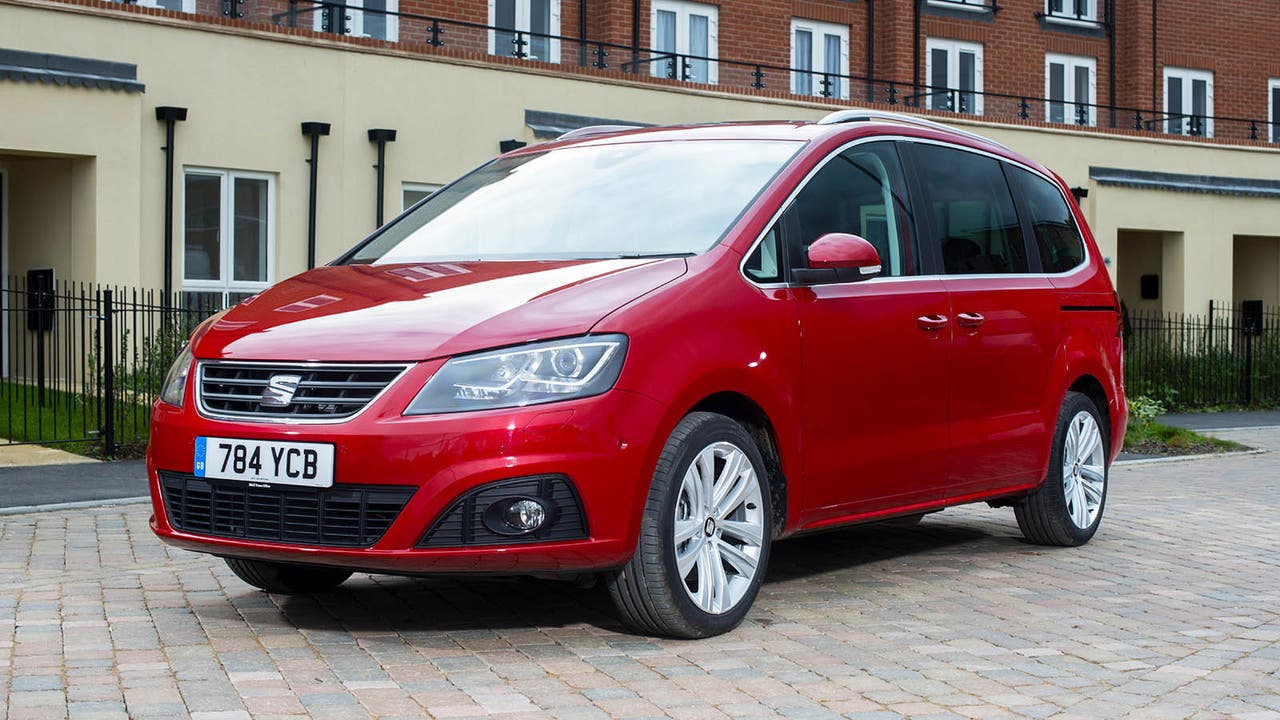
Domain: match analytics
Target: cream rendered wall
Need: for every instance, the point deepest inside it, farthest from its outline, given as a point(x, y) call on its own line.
point(1257, 269)
point(1139, 253)
point(88, 124)
point(247, 93)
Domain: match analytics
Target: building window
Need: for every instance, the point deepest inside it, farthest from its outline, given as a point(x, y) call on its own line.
point(973, 5)
point(1188, 101)
point(362, 18)
point(1070, 87)
point(411, 193)
point(954, 70)
point(1085, 11)
point(819, 58)
point(1273, 106)
point(228, 234)
point(685, 39)
point(525, 29)
point(187, 6)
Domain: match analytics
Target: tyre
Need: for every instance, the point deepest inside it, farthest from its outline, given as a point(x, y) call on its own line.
point(705, 535)
point(287, 579)
point(1067, 509)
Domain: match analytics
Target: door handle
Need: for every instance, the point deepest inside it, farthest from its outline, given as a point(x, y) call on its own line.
point(932, 323)
point(970, 320)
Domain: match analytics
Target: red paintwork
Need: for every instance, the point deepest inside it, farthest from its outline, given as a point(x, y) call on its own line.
point(877, 407)
point(842, 250)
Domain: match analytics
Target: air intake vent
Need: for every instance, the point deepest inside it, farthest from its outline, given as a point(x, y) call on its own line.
point(343, 515)
point(300, 392)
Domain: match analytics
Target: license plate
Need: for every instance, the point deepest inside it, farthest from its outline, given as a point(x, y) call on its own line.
point(265, 461)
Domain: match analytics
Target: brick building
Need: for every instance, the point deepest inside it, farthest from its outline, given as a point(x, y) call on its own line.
point(1164, 115)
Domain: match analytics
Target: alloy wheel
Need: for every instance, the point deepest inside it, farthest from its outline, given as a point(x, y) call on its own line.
point(719, 527)
point(1084, 471)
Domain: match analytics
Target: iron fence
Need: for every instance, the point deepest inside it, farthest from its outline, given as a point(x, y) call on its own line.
point(437, 34)
point(1227, 358)
point(82, 362)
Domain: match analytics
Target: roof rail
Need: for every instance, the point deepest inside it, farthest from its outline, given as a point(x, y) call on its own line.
point(590, 130)
point(844, 116)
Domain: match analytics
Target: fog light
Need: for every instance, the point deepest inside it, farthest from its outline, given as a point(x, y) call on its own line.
point(524, 515)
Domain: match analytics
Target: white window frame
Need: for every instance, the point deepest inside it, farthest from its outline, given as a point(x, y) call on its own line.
point(1273, 123)
point(524, 19)
point(963, 5)
point(683, 9)
point(1070, 102)
point(355, 26)
point(226, 242)
point(428, 188)
point(819, 31)
point(1187, 76)
point(1087, 19)
point(188, 6)
point(953, 49)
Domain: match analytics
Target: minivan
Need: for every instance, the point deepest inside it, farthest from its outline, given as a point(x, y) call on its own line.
point(643, 355)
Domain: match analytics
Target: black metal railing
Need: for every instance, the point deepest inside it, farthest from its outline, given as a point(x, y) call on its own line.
point(1227, 358)
point(82, 362)
point(438, 34)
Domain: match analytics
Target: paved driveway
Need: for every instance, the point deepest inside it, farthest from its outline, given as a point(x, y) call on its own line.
point(1172, 611)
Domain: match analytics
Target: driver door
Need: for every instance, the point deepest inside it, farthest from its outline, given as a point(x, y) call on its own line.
point(876, 353)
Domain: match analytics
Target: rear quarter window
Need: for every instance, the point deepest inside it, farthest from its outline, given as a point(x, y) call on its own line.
point(1057, 236)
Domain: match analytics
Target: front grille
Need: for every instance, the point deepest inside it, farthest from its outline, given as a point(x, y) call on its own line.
point(324, 392)
point(343, 515)
point(462, 523)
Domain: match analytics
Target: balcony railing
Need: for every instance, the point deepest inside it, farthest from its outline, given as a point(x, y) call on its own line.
point(435, 35)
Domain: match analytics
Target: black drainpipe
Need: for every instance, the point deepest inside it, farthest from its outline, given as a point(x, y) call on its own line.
point(871, 50)
point(313, 130)
point(170, 116)
point(1111, 40)
point(582, 33)
point(382, 136)
point(635, 36)
point(915, 23)
point(1155, 70)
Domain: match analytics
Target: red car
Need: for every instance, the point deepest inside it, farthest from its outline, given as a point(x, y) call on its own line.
point(646, 355)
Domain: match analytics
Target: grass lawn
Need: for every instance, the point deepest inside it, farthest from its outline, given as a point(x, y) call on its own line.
point(66, 416)
point(1154, 438)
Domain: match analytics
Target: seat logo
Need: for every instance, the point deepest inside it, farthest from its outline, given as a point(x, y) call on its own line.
point(280, 390)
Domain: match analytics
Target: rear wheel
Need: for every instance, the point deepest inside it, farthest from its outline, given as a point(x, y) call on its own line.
point(287, 579)
point(1068, 508)
point(705, 536)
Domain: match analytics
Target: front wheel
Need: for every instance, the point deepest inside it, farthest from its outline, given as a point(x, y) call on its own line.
point(1067, 509)
point(705, 536)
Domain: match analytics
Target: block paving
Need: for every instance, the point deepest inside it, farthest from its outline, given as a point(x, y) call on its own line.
point(1173, 611)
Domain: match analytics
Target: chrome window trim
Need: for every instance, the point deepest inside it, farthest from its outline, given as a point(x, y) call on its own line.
point(284, 419)
point(804, 182)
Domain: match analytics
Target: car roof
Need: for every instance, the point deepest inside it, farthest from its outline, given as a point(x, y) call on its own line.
point(845, 125)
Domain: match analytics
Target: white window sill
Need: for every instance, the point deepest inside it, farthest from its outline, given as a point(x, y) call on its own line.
point(1072, 21)
point(961, 6)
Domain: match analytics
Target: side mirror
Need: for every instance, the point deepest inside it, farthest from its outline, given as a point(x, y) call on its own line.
point(839, 258)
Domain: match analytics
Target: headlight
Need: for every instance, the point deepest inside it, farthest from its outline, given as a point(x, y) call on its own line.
point(525, 375)
point(175, 382)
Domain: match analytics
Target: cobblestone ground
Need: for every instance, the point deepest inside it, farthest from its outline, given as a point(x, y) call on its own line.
point(1172, 611)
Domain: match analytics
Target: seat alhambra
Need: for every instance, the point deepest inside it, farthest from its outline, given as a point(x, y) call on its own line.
point(645, 355)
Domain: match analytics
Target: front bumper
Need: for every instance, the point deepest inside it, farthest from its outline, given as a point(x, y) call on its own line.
point(604, 445)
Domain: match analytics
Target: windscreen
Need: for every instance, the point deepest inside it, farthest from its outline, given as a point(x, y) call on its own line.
point(623, 200)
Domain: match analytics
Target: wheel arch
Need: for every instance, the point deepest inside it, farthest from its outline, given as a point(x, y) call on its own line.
point(748, 413)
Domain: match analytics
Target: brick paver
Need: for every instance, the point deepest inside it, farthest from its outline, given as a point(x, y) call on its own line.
point(1172, 612)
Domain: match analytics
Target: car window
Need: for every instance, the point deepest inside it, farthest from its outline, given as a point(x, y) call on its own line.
point(973, 212)
point(860, 191)
point(763, 265)
point(1057, 236)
